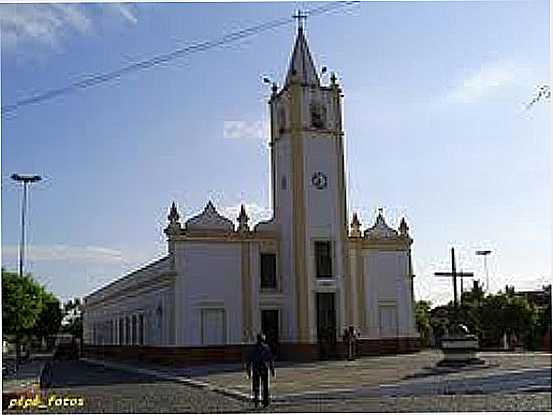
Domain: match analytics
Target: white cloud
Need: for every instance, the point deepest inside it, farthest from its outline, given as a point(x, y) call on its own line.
point(47, 24)
point(255, 212)
point(94, 254)
point(490, 78)
point(42, 23)
point(245, 129)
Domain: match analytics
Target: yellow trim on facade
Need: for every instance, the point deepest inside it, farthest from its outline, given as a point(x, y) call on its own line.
point(298, 220)
point(272, 119)
point(360, 279)
point(398, 244)
point(342, 205)
point(215, 236)
point(319, 133)
point(247, 324)
point(383, 246)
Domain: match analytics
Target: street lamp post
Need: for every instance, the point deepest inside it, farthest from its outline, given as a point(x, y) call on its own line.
point(25, 180)
point(485, 253)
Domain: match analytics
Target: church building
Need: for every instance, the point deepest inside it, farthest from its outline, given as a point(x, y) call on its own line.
point(302, 277)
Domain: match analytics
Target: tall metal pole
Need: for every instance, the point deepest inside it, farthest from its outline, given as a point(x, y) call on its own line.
point(22, 242)
point(461, 291)
point(24, 180)
point(487, 276)
point(485, 254)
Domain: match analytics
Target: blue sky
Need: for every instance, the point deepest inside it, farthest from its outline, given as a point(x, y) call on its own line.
point(434, 114)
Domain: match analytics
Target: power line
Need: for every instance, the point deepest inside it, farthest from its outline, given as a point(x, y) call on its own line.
point(101, 78)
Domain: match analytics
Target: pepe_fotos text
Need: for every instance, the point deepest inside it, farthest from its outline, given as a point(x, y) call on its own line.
point(51, 401)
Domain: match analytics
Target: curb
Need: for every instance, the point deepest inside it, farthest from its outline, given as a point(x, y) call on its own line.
point(180, 379)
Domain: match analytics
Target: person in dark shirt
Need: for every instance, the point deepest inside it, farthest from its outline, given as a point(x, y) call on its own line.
point(260, 362)
point(352, 347)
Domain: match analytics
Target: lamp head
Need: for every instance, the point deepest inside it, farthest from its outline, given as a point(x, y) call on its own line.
point(26, 178)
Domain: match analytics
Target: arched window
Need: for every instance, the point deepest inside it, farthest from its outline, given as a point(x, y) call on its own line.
point(318, 115)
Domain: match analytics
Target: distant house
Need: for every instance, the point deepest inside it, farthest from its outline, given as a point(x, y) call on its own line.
point(538, 298)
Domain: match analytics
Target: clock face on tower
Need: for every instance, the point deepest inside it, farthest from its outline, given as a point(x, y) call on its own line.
point(319, 180)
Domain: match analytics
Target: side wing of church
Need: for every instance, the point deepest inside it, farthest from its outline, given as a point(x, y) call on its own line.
point(302, 277)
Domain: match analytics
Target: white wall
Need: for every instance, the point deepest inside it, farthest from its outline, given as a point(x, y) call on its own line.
point(387, 284)
point(209, 277)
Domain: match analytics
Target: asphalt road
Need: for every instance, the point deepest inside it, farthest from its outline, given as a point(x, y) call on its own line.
point(112, 391)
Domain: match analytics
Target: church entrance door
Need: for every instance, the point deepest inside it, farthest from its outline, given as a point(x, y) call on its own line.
point(270, 327)
point(326, 325)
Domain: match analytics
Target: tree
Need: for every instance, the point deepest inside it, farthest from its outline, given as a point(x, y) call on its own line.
point(422, 318)
point(475, 295)
point(540, 333)
point(72, 320)
point(49, 319)
point(21, 306)
point(491, 316)
point(470, 309)
point(506, 313)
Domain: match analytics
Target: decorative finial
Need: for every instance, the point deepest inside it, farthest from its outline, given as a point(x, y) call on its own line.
point(403, 228)
point(355, 226)
point(174, 226)
point(380, 221)
point(173, 214)
point(274, 86)
point(243, 220)
point(210, 207)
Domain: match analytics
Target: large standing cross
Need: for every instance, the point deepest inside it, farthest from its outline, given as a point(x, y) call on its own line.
point(301, 17)
point(454, 274)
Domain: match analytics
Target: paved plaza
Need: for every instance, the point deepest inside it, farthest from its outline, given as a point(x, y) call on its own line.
point(384, 374)
point(402, 383)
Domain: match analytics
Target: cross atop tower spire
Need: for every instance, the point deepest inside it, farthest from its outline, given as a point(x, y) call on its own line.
point(302, 69)
point(300, 17)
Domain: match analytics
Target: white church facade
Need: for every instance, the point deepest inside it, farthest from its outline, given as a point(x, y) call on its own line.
point(301, 277)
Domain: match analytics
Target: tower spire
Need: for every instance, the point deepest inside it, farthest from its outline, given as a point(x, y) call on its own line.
point(301, 69)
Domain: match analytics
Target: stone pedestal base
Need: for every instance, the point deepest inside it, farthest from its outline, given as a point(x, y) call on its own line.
point(460, 350)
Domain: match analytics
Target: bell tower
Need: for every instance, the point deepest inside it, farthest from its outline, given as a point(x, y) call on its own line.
point(309, 195)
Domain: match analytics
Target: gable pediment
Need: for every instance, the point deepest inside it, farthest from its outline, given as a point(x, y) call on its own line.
point(209, 220)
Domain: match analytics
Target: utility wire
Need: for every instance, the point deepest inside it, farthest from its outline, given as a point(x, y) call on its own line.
point(94, 80)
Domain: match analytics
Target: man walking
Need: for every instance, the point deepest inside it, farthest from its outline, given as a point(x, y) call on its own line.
point(259, 363)
point(349, 338)
point(352, 343)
